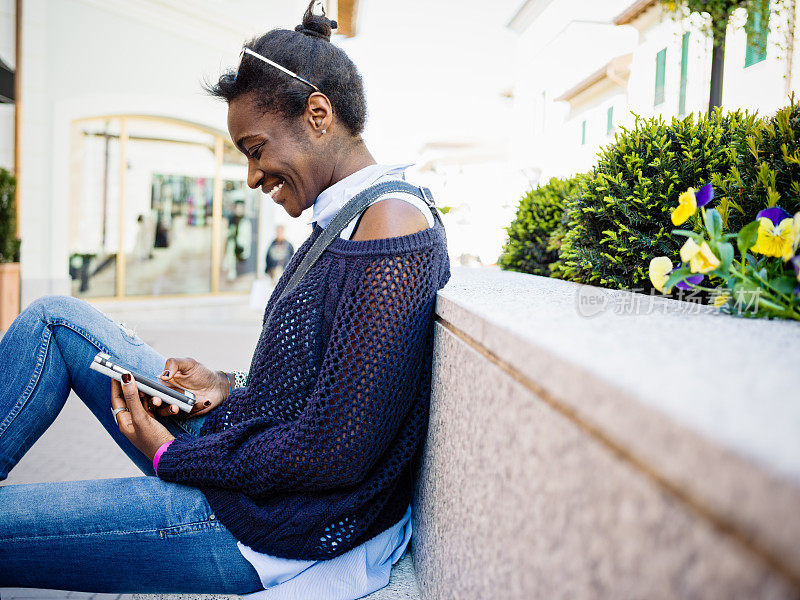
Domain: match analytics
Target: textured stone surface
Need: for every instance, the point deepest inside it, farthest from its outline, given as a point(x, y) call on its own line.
point(731, 379)
point(517, 501)
point(717, 422)
point(402, 585)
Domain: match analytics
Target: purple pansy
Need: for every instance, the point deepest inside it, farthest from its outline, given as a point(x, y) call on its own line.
point(693, 279)
point(705, 195)
point(775, 214)
point(796, 264)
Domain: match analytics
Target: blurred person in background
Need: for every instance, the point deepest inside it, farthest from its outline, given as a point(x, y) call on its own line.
point(238, 241)
point(279, 253)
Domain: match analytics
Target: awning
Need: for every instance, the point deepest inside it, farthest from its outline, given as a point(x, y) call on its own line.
point(6, 83)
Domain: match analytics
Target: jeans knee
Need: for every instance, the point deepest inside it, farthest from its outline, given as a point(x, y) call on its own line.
point(55, 306)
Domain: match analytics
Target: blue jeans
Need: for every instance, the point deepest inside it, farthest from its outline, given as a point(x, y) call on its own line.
point(126, 535)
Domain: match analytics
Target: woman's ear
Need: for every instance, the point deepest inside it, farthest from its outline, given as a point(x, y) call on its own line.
point(319, 113)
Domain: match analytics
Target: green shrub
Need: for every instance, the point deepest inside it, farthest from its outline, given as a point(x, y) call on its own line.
point(533, 240)
point(767, 169)
point(622, 218)
point(9, 244)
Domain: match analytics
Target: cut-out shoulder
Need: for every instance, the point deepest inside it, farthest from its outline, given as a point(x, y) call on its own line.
point(389, 218)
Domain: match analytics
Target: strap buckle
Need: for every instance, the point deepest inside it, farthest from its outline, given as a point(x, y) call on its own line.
point(427, 197)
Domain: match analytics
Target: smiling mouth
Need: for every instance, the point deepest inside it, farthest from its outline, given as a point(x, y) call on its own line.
point(274, 190)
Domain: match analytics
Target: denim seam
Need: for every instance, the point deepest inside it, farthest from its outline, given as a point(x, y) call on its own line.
point(40, 360)
point(80, 331)
point(193, 526)
point(188, 527)
point(26, 393)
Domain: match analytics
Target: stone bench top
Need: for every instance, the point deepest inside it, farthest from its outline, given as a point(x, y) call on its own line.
point(735, 380)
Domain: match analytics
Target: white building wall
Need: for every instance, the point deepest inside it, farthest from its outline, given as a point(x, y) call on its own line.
point(559, 49)
point(657, 32)
point(568, 41)
point(592, 108)
point(764, 86)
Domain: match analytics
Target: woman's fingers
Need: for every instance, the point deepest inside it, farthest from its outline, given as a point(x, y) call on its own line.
point(177, 365)
point(131, 395)
point(164, 409)
point(124, 419)
point(117, 400)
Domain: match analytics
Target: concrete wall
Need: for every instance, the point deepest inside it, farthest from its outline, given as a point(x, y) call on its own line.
point(585, 443)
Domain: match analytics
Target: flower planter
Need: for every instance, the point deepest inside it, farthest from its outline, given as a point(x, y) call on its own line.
point(9, 294)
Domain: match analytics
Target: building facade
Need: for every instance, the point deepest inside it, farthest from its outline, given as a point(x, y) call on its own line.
point(587, 68)
point(128, 183)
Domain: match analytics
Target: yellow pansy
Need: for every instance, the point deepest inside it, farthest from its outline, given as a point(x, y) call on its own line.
point(689, 249)
point(660, 268)
point(774, 240)
point(789, 250)
point(687, 206)
point(700, 258)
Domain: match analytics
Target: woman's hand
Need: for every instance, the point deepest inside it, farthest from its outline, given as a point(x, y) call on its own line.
point(209, 387)
point(137, 424)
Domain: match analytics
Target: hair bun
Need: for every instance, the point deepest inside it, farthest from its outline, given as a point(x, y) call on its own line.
point(316, 25)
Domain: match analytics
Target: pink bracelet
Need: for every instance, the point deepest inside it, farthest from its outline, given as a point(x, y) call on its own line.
point(159, 452)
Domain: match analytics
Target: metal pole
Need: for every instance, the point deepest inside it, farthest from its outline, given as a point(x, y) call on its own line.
point(123, 169)
point(216, 217)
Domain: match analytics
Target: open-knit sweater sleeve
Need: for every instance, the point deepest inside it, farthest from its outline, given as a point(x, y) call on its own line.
point(364, 389)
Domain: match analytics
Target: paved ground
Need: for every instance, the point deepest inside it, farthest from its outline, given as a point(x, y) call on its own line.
point(220, 332)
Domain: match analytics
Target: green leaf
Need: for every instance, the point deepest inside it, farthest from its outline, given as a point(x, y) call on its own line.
point(785, 284)
point(725, 257)
point(713, 222)
point(747, 237)
point(763, 302)
point(697, 237)
point(676, 277)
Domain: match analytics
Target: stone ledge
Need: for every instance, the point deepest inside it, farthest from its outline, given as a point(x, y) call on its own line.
point(700, 404)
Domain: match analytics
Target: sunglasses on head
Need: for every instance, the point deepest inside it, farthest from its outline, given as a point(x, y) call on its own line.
point(247, 50)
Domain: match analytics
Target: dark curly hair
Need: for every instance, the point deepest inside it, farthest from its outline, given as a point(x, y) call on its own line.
point(308, 52)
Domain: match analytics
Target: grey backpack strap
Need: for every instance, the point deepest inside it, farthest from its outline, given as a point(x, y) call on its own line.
point(354, 207)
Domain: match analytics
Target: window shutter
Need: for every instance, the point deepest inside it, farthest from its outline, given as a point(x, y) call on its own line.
point(684, 74)
point(661, 72)
point(758, 26)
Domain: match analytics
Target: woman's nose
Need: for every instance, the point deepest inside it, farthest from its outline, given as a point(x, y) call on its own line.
point(254, 176)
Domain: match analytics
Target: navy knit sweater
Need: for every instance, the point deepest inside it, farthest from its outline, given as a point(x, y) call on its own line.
point(317, 453)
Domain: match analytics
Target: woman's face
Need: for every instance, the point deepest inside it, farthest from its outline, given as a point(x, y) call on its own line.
point(280, 154)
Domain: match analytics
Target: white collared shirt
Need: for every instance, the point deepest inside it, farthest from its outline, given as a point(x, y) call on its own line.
point(332, 199)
